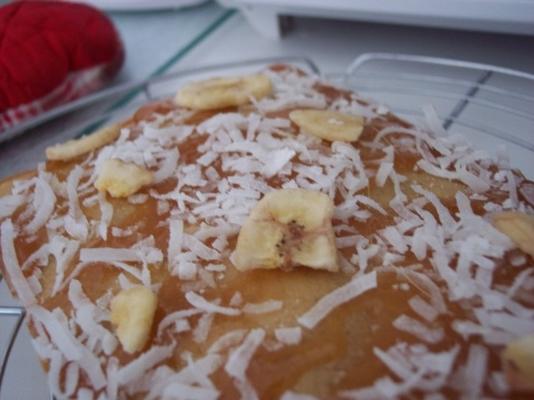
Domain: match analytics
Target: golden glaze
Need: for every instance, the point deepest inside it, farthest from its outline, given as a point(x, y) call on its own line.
point(337, 354)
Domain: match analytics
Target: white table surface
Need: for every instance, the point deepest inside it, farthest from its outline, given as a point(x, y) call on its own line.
point(171, 40)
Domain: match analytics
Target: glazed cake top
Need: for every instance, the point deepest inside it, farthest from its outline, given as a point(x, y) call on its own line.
point(432, 279)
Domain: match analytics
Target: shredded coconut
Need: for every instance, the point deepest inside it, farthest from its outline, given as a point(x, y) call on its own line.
point(12, 266)
point(337, 297)
point(261, 308)
point(289, 336)
point(239, 359)
point(201, 303)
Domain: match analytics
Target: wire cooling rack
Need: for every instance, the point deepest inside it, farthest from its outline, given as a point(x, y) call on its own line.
point(491, 106)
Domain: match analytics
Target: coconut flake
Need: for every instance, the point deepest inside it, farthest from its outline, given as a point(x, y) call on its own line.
point(85, 394)
point(239, 359)
point(400, 366)
point(201, 303)
point(69, 346)
point(229, 339)
point(262, 308)
point(206, 365)
point(433, 121)
point(200, 375)
point(180, 391)
point(383, 172)
point(509, 323)
point(236, 300)
point(415, 366)
point(432, 169)
point(75, 221)
point(519, 280)
point(512, 188)
point(516, 260)
point(215, 267)
point(186, 270)
point(477, 184)
point(392, 235)
point(59, 334)
point(34, 283)
point(106, 215)
point(475, 370)
point(370, 203)
point(55, 364)
point(199, 249)
point(443, 213)
point(201, 332)
point(491, 336)
point(87, 316)
point(176, 229)
point(108, 255)
point(169, 134)
point(422, 308)
point(429, 287)
point(182, 325)
point(63, 251)
point(90, 200)
point(138, 198)
point(499, 384)
point(175, 316)
point(72, 375)
point(12, 266)
point(124, 282)
point(418, 329)
point(277, 160)
point(138, 367)
point(130, 270)
point(289, 336)
point(168, 166)
point(290, 395)
point(366, 393)
point(44, 200)
point(38, 258)
point(9, 204)
point(347, 292)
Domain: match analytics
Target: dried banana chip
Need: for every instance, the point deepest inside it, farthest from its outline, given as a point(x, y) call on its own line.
point(288, 228)
point(223, 92)
point(132, 313)
point(76, 147)
point(122, 179)
point(328, 125)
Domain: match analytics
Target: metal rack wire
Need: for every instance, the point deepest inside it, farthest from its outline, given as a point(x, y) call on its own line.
point(488, 104)
point(467, 91)
point(19, 313)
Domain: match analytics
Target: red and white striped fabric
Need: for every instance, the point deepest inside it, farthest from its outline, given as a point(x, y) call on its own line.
point(68, 51)
point(75, 85)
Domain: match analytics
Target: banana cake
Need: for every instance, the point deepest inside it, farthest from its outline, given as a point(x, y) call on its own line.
point(273, 236)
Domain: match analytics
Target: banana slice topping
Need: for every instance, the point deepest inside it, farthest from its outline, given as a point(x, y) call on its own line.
point(519, 227)
point(223, 92)
point(121, 179)
point(288, 228)
point(328, 125)
point(132, 313)
point(76, 147)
